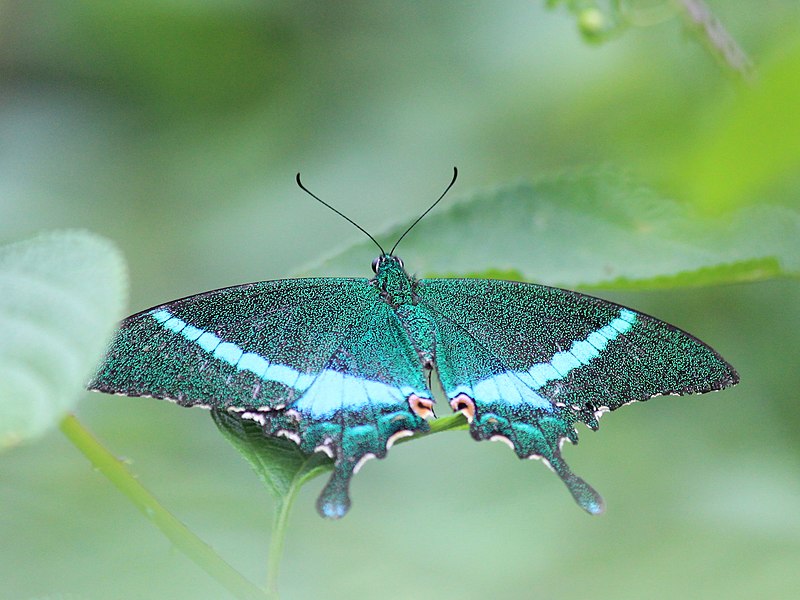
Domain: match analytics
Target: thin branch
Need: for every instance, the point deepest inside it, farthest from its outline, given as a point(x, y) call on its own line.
point(279, 525)
point(720, 42)
point(187, 542)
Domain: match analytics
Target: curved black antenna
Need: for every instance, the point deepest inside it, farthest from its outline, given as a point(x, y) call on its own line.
point(345, 217)
point(430, 208)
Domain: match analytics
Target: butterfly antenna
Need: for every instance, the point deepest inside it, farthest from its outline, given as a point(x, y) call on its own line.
point(345, 217)
point(455, 175)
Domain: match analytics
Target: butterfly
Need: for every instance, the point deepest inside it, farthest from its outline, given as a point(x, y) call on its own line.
point(342, 365)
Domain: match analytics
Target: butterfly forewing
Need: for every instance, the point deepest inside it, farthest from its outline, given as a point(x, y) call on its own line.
point(213, 349)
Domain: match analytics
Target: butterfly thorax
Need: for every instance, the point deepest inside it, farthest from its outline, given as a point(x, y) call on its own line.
point(395, 285)
point(398, 289)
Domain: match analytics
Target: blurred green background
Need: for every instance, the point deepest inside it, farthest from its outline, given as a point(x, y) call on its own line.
point(175, 128)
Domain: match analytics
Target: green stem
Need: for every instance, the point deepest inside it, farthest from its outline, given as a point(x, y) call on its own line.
point(279, 524)
point(186, 541)
point(455, 422)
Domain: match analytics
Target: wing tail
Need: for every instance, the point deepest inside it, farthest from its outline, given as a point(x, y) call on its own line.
point(538, 435)
point(334, 501)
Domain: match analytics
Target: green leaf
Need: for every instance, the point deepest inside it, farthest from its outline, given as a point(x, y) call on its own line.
point(590, 229)
point(62, 294)
point(279, 462)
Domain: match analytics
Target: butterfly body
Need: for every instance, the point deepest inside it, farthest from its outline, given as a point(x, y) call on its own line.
point(339, 365)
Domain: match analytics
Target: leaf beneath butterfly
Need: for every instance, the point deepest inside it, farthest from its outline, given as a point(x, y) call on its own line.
point(279, 462)
point(590, 230)
point(61, 295)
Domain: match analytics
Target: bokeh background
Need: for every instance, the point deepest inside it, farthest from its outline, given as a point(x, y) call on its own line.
point(175, 128)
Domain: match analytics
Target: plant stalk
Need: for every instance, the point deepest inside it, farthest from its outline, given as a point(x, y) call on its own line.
point(279, 524)
point(184, 540)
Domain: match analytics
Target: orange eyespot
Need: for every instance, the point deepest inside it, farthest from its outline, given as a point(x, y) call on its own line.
point(422, 407)
point(465, 405)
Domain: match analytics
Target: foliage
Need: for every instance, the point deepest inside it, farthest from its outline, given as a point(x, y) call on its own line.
point(593, 230)
point(63, 293)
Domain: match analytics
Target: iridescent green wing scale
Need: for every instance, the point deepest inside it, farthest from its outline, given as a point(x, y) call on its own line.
point(324, 362)
point(526, 362)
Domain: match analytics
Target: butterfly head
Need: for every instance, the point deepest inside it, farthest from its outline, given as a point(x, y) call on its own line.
point(386, 263)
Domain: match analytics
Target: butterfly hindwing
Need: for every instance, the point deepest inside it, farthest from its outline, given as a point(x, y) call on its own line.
point(321, 361)
point(526, 362)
